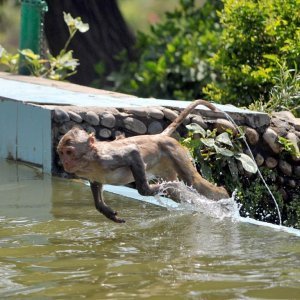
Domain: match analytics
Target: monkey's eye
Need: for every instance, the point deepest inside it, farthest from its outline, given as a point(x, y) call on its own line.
point(69, 152)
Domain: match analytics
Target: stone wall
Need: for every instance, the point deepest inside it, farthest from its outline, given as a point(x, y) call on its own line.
point(107, 123)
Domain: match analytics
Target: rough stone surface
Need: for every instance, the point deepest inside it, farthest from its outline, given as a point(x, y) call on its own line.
point(119, 134)
point(60, 116)
point(271, 162)
point(281, 180)
point(285, 168)
point(222, 125)
point(292, 183)
point(170, 114)
point(252, 135)
point(74, 116)
point(138, 111)
point(88, 128)
point(65, 127)
point(284, 115)
point(259, 159)
point(271, 138)
point(297, 124)
point(281, 127)
point(297, 171)
point(256, 121)
point(92, 118)
point(283, 194)
point(105, 133)
point(155, 113)
point(135, 125)
point(108, 120)
point(155, 127)
point(198, 120)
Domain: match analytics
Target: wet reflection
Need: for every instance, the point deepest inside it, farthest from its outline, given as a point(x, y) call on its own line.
point(24, 191)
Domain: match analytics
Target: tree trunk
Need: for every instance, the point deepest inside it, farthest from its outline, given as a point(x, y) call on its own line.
point(107, 36)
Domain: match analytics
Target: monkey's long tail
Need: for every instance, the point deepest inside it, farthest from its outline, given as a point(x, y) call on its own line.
point(173, 126)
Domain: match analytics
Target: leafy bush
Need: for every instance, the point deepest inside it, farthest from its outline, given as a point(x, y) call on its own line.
point(256, 36)
point(213, 153)
point(57, 68)
point(173, 57)
point(221, 159)
point(256, 200)
point(284, 95)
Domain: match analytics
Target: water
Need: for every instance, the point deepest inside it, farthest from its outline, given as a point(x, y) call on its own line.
point(54, 245)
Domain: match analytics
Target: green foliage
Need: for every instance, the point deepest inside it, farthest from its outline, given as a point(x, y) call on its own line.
point(173, 57)
point(256, 36)
point(289, 147)
point(215, 153)
point(256, 200)
point(292, 210)
point(54, 67)
point(284, 95)
point(10, 61)
point(220, 159)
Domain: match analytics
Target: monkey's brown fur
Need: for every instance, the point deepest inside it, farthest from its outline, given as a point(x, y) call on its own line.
point(133, 159)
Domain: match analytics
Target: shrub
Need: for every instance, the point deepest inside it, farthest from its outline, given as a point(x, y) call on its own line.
point(256, 36)
point(54, 67)
point(220, 159)
point(173, 59)
point(284, 95)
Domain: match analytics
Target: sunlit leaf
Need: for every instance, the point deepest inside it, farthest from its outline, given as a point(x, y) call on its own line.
point(247, 162)
point(224, 151)
point(208, 142)
point(30, 54)
point(224, 139)
point(196, 128)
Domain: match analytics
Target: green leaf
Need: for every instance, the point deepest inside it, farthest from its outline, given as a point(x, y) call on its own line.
point(224, 139)
point(205, 170)
point(272, 57)
point(208, 142)
point(30, 54)
point(196, 128)
point(247, 162)
point(224, 151)
point(151, 66)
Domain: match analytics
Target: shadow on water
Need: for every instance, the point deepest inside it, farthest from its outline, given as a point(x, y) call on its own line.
point(54, 245)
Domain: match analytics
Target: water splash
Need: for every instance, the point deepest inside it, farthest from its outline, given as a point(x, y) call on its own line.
point(258, 171)
point(190, 199)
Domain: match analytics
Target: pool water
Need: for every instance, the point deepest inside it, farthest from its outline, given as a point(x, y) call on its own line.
point(55, 245)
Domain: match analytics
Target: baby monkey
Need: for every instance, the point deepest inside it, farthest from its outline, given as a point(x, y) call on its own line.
point(133, 159)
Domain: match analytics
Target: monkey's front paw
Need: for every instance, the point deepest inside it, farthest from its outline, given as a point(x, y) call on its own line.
point(112, 215)
point(116, 219)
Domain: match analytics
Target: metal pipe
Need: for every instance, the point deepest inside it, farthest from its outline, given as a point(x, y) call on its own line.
point(31, 31)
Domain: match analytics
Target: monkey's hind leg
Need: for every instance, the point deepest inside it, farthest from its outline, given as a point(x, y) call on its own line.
point(137, 167)
point(100, 205)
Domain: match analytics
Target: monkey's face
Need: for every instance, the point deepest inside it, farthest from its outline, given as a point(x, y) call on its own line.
point(72, 148)
point(68, 158)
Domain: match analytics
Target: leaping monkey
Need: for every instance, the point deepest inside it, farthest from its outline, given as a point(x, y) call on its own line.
point(133, 159)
